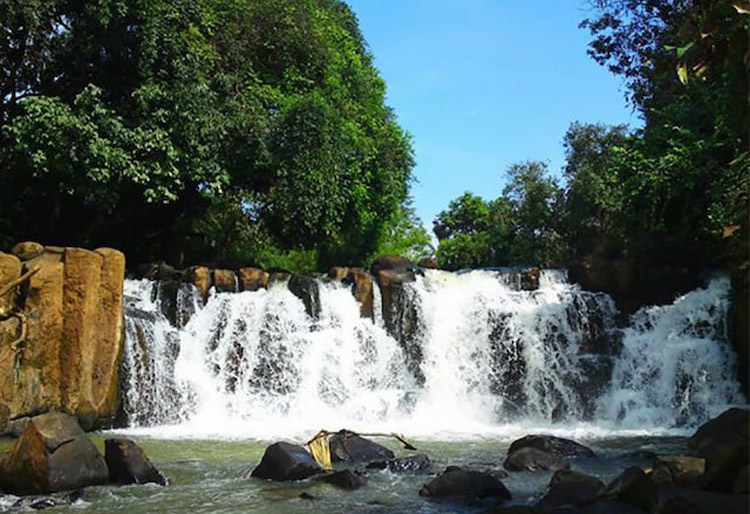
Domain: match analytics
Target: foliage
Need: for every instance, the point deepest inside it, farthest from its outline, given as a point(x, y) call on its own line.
point(206, 128)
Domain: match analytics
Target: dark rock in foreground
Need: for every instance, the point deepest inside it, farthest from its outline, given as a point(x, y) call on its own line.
point(347, 446)
point(345, 479)
point(634, 487)
point(464, 486)
point(554, 445)
point(414, 463)
point(128, 464)
point(724, 442)
point(672, 472)
point(684, 501)
point(285, 461)
point(533, 459)
point(571, 488)
point(52, 454)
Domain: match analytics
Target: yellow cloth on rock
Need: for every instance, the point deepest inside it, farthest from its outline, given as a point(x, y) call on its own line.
point(321, 451)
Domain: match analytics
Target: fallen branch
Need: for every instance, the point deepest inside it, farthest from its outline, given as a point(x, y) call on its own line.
point(7, 288)
point(349, 433)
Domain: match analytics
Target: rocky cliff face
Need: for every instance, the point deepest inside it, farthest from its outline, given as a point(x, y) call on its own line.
point(61, 331)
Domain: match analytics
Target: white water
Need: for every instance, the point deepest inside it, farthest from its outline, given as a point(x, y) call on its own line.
point(495, 362)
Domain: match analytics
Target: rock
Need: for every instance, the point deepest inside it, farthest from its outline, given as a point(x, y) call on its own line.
point(128, 464)
point(27, 250)
point(362, 289)
point(530, 279)
point(633, 486)
point(533, 459)
point(724, 442)
point(602, 506)
point(742, 482)
point(551, 444)
point(16, 427)
point(347, 446)
point(200, 277)
point(571, 488)
point(224, 280)
point(678, 472)
point(252, 279)
point(10, 269)
point(306, 289)
point(285, 461)
point(391, 285)
point(345, 479)
point(338, 273)
point(47, 501)
point(413, 463)
point(278, 277)
point(428, 263)
point(4, 413)
point(390, 262)
point(456, 484)
point(689, 501)
point(53, 454)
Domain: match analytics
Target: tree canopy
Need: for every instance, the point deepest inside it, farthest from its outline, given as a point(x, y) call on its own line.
point(197, 129)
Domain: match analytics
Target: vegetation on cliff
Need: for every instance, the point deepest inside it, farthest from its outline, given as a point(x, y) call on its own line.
point(674, 192)
point(197, 130)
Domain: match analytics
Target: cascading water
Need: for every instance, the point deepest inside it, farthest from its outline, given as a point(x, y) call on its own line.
point(473, 354)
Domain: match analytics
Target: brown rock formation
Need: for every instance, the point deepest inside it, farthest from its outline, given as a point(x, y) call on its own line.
point(10, 269)
point(27, 250)
point(224, 280)
point(200, 277)
point(252, 279)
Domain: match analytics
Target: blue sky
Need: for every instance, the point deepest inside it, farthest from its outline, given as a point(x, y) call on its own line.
point(483, 84)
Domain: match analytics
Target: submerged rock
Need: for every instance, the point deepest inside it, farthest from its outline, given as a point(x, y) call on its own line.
point(347, 446)
point(413, 463)
point(465, 486)
point(345, 479)
point(128, 464)
point(533, 459)
point(678, 472)
point(286, 461)
point(47, 501)
point(554, 445)
point(53, 454)
point(306, 289)
point(724, 442)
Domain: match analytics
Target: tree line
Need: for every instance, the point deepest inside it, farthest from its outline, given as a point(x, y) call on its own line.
point(674, 192)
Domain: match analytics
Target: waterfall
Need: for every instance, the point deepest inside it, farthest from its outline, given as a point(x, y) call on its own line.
point(468, 353)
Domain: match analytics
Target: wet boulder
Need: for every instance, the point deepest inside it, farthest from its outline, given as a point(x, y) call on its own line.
point(554, 445)
point(634, 487)
point(465, 486)
point(53, 454)
point(724, 442)
point(390, 262)
point(47, 501)
point(224, 280)
point(571, 488)
point(252, 279)
point(200, 277)
point(345, 479)
point(306, 289)
point(690, 501)
point(533, 459)
point(128, 464)
point(671, 472)
point(413, 464)
point(428, 263)
point(286, 461)
point(347, 446)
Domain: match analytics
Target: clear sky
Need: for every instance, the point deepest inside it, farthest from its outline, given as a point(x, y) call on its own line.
point(483, 84)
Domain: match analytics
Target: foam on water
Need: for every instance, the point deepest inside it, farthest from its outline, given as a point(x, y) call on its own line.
point(483, 359)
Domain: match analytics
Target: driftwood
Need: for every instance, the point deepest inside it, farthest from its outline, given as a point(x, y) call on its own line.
point(349, 433)
point(8, 288)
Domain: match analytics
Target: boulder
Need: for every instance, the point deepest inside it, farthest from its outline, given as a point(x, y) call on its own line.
point(571, 488)
point(345, 479)
point(285, 461)
point(465, 486)
point(47, 501)
point(347, 446)
point(634, 487)
point(690, 501)
point(724, 442)
point(533, 459)
point(362, 289)
point(428, 263)
point(413, 463)
point(306, 289)
point(200, 277)
point(53, 454)
point(530, 279)
point(338, 273)
point(390, 262)
point(252, 279)
point(27, 250)
point(742, 482)
point(278, 277)
point(551, 444)
point(224, 280)
point(128, 464)
point(10, 269)
point(678, 472)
